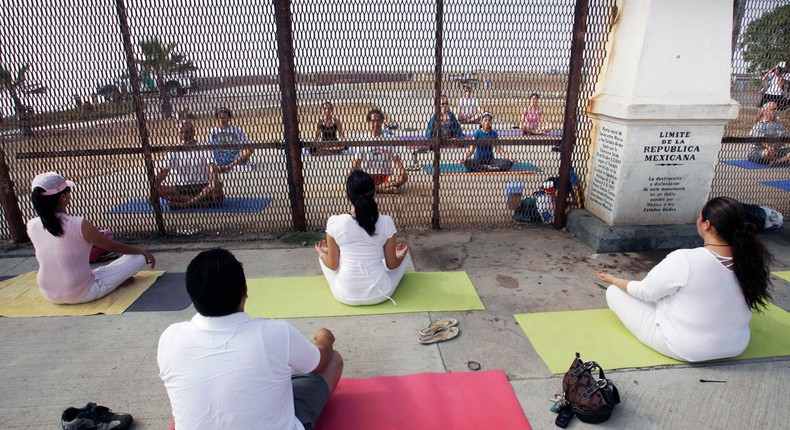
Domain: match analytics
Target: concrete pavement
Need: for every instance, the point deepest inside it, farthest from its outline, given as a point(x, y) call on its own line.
point(47, 364)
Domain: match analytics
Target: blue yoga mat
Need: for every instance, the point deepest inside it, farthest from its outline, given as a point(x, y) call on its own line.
point(783, 184)
point(458, 168)
point(230, 204)
point(746, 164)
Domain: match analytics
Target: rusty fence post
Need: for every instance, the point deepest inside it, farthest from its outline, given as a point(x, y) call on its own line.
point(293, 147)
point(10, 204)
point(437, 142)
point(571, 109)
point(134, 79)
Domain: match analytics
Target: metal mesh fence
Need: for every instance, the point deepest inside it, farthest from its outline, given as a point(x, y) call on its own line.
point(760, 44)
point(112, 130)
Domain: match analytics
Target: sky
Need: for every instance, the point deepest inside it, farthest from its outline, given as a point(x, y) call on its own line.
point(75, 45)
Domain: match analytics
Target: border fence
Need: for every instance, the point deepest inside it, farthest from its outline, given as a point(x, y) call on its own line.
point(98, 92)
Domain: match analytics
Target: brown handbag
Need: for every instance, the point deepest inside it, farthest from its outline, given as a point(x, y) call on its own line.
point(589, 399)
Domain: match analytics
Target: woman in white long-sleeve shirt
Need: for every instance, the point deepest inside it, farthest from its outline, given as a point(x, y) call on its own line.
point(361, 258)
point(697, 303)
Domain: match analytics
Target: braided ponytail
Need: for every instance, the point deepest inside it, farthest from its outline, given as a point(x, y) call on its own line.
point(360, 190)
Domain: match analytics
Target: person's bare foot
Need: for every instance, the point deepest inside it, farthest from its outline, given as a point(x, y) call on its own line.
point(129, 281)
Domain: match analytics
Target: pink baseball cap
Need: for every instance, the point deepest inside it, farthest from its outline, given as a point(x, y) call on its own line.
point(51, 183)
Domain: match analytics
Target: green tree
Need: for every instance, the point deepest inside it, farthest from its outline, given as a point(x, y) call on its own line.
point(766, 40)
point(162, 61)
point(16, 85)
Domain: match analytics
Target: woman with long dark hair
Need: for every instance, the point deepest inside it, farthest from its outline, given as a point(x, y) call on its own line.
point(697, 303)
point(63, 244)
point(361, 258)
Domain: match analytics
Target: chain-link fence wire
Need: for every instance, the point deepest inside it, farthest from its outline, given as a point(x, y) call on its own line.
point(761, 51)
point(381, 55)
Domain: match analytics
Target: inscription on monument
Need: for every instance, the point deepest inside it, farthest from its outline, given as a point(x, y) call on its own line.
point(673, 146)
point(662, 192)
point(605, 175)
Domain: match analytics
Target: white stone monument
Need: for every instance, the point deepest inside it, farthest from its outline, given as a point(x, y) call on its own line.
point(659, 111)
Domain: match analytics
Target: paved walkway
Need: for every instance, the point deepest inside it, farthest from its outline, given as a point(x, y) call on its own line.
point(47, 364)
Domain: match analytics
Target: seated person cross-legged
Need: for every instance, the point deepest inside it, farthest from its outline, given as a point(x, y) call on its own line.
point(484, 160)
point(63, 245)
point(226, 133)
point(329, 128)
point(197, 176)
point(769, 126)
point(225, 370)
point(361, 258)
point(697, 303)
point(382, 163)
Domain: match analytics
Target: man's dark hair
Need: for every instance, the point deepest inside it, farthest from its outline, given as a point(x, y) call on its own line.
point(216, 283)
point(223, 109)
point(369, 116)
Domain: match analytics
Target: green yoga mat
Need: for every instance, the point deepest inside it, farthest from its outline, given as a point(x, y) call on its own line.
point(783, 275)
point(599, 335)
point(310, 296)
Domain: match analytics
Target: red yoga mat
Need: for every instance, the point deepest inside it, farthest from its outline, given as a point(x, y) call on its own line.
point(479, 400)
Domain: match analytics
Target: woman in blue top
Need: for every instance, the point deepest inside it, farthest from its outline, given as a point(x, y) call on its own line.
point(448, 123)
point(484, 160)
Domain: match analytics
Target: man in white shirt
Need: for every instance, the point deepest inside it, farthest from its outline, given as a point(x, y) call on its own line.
point(197, 176)
point(383, 163)
point(225, 370)
point(469, 111)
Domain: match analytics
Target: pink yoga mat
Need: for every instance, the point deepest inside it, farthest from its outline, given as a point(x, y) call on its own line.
point(479, 400)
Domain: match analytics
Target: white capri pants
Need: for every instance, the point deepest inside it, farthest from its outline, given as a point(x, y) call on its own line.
point(395, 276)
point(639, 317)
point(109, 277)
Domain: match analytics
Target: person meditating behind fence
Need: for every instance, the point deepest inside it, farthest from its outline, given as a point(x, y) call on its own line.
point(448, 123)
point(382, 162)
point(468, 107)
point(769, 126)
point(361, 258)
point(63, 244)
point(197, 176)
point(696, 304)
point(328, 129)
point(484, 160)
point(530, 121)
point(226, 133)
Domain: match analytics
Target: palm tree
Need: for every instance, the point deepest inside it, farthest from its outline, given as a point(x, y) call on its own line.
point(17, 85)
point(161, 61)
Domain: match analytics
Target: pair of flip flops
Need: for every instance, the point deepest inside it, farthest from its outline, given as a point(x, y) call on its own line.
point(439, 331)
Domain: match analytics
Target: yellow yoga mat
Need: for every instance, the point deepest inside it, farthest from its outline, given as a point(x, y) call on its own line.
point(783, 275)
point(19, 297)
point(600, 336)
point(310, 296)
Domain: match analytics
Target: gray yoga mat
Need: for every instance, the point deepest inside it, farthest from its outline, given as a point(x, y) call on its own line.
point(168, 293)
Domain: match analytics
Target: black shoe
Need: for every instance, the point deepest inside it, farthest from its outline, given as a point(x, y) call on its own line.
point(94, 417)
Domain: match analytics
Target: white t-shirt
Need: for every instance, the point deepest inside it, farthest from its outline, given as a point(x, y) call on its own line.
point(233, 372)
point(190, 168)
point(467, 107)
point(362, 273)
point(378, 160)
point(699, 305)
point(773, 84)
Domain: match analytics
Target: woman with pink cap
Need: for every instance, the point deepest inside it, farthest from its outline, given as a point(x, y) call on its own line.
point(63, 243)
